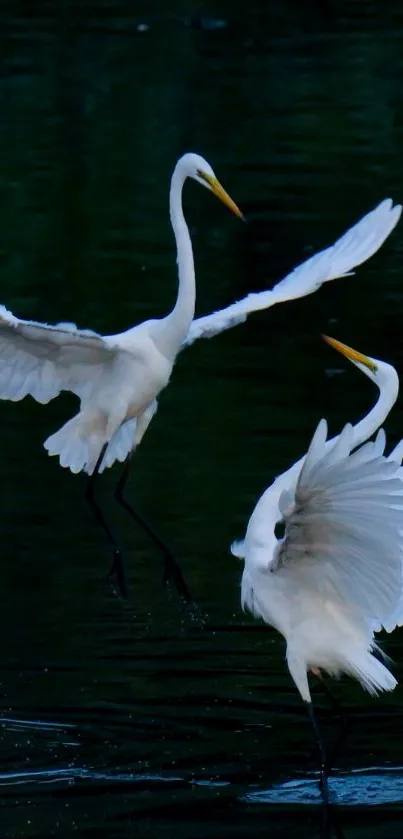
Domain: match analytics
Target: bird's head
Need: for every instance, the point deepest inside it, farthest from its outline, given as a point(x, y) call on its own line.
point(378, 371)
point(194, 166)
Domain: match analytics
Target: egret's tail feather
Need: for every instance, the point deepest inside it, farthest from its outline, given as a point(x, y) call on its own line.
point(122, 443)
point(79, 443)
point(372, 674)
point(76, 444)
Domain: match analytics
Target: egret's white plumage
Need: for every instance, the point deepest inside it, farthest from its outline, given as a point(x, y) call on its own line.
point(357, 245)
point(337, 574)
point(118, 377)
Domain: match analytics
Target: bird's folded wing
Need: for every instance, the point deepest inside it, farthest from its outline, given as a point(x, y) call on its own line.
point(343, 526)
point(356, 246)
point(42, 360)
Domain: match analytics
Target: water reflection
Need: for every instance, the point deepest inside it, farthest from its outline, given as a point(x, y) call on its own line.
point(369, 787)
point(373, 786)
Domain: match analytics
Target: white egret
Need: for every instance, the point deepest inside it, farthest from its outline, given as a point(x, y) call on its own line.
point(336, 576)
point(118, 377)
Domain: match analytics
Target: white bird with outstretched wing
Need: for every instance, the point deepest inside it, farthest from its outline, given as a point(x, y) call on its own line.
point(336, 576)
point(117, 377)
point(337, 572)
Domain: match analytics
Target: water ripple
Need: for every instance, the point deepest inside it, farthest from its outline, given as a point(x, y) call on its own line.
point(71, 774)
point(372, 786)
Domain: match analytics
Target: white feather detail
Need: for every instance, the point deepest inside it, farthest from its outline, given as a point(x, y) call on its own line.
point(357, 245)
point(343, 536)
point(41, 360)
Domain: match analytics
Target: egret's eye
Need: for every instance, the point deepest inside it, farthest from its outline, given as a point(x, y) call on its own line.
point(203, 176)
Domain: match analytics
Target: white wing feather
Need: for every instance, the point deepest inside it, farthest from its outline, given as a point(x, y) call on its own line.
point(357, 245)
point(127, 437)
point(42, 360)
point(343, 532)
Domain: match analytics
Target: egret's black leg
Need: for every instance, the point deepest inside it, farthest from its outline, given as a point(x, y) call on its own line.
point(330, 817)
point(171, 566)
point(329, 693)
point(117, 567)
point(322, 754)
point(345, 722)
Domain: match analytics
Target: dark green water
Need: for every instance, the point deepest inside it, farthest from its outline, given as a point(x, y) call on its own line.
point(127, 719)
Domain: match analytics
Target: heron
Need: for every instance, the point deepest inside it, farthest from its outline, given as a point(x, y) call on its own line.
point(335, 577)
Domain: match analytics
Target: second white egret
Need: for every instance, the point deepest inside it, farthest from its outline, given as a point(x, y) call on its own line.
point(336, 576)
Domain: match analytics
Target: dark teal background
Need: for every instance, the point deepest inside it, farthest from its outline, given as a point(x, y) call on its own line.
point(127, 719)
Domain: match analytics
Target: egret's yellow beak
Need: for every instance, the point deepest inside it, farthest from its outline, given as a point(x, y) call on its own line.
point(220, 193)
point(351, 354)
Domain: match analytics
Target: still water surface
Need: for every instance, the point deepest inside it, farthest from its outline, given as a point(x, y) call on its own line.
point(131, 719)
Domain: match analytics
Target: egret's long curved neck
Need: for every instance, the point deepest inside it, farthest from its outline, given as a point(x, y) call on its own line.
point(388, 393)
point(173, 329)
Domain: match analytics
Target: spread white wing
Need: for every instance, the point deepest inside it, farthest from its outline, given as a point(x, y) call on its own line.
point(343, 526)
point(355, 247)
point(42, 360)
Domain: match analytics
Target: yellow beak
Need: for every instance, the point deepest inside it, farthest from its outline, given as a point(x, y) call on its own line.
point(221, 194)
point(352, 355)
